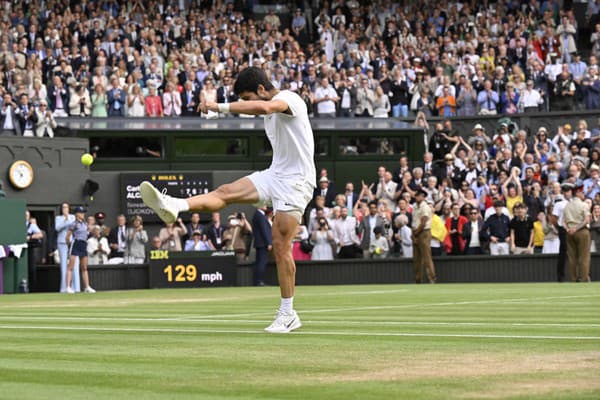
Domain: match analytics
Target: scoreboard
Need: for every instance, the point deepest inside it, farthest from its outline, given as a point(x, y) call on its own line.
point(188, 269)
point(180, 184)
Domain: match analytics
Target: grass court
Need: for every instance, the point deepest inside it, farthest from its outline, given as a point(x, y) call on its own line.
point(474, 341)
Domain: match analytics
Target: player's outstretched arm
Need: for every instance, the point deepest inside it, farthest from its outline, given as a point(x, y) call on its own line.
point(252, 107)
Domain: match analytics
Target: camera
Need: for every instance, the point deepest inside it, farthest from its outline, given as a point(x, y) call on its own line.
point(239, 215)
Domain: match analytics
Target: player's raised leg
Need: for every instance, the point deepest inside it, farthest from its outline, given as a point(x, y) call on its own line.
point(284, 230)
point(167, 207)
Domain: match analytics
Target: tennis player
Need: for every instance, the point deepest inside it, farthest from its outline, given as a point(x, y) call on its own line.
point(287, 184)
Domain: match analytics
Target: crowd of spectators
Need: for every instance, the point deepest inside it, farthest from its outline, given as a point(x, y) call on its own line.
point(163, 58)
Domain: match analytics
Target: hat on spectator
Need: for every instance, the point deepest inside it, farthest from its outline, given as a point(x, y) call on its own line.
point(479, 127)
point(196, 232)
point(324, 179)
point(79, 209)
point(542, 128)
point(594, 167)
point(421, 192)
point(565, 187)
point(99, 215)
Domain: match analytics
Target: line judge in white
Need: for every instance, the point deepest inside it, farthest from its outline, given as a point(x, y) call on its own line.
point(287, 184)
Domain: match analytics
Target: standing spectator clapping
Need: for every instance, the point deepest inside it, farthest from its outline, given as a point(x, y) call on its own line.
point(135, 250)
point(45, 124)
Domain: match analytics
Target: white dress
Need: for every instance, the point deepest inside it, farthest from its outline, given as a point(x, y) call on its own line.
point(137, 109)
point(322, 249)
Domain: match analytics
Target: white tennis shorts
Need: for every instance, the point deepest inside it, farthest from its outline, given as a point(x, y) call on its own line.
point(283, 194)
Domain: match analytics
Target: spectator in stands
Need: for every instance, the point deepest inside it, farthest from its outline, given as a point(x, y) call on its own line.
point(189, 99)
point(472, 233)
point(137, 237)
point(26, 116)
point(345, 234)
point(118, 239)
point(551, 239)
point(99, 102)
point(367, 226)
point(496, 230)
point(403, 235)
point(324, 241)
point(488, 100)
point(153, 103)
point(512, 189)
point(324, 191)
point(59, 98)
point(455, 242)
point(80, 103)
point(171, 235)
point(45, 124)
point(466, 101)
point(595, 228)
point(326, 99)
point(171, 101)
point(97, 247)
point(198, 242)
point(235, 234)
point(116, 99)
point(136, 103)
point(9, 123)
point(521, 231)
point(379, 246)
point(446, 103)
point(564, 92)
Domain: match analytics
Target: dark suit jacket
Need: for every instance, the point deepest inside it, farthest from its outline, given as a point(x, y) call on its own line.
point(22, 118)
point(64, 95)
point(212, 232)
point(364, 228)
point(231, 96)
point(466, 233)
point(191, 110)
point(329, 198)
point(261, 230)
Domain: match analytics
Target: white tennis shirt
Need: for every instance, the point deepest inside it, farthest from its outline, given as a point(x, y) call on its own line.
point(292, 140)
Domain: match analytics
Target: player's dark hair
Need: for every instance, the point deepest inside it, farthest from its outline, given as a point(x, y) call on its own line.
point(249, 79)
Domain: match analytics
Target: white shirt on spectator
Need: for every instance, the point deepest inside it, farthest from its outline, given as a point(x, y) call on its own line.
point(345, 232)
point(327, 106)
point(531, 98)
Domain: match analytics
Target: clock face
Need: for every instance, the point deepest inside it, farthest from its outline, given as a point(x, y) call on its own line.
point(21, 174)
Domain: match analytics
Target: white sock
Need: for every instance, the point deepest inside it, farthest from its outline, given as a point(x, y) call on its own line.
point(287, 305)
point(181, 204)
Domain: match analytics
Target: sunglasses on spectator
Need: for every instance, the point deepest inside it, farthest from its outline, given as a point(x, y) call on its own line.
point(474, 213)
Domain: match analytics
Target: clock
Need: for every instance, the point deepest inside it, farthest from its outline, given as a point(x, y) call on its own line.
point(20, 174)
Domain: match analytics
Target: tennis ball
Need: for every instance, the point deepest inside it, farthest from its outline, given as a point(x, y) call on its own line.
point(378, 250)
point(87, 159)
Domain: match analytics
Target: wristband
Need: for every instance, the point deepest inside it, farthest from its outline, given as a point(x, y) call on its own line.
point(223, 107)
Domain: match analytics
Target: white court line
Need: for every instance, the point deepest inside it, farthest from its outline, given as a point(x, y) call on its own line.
point(336, 321)
point(389, 307)
point(312, 333)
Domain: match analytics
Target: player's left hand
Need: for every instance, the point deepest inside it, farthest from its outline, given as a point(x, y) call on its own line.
point(209, 106)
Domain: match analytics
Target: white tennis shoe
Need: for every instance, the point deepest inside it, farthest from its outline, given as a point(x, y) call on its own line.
point(162, 204)
point(284, 323)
